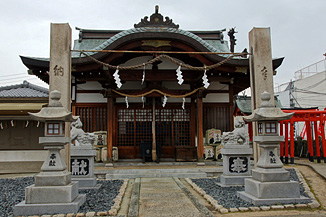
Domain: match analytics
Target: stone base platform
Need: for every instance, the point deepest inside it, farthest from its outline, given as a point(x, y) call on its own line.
point(87, 183)
point(23, 209)
point(271, 201)
point(228, 181)
point(266, 190)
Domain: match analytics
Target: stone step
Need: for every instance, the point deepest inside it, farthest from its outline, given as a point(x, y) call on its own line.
point(155, 175)
point(162, 163)
point(152, 173)
point(174, 170)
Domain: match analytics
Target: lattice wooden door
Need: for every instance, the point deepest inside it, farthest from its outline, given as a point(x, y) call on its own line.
point(135, 125)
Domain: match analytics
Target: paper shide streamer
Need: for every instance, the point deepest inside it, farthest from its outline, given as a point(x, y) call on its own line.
point(205, 80)
point(143, 79)
point(143, 100)
point(165, 99)
point(179, 75)
point(117, 77)
point(127, 104)
point(183, 103)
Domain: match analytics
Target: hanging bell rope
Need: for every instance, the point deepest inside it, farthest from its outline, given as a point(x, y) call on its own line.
point(175, 61)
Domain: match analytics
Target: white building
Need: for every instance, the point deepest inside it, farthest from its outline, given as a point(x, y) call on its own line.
point(307, 90)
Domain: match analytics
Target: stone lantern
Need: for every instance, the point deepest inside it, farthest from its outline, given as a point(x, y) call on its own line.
point(53, 191)
point(270, 182)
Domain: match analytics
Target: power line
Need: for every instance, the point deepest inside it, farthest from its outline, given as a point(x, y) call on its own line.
point(4, 76)
point(7, 83)
point(20, 77)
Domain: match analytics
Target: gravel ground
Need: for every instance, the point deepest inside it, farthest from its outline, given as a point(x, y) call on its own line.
point(13, 192)
point(227, 196)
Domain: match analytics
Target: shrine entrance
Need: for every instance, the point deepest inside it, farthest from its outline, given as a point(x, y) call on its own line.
point(135, 125)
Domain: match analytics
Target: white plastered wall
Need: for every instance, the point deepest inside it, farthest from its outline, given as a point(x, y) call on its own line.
point(23, 155)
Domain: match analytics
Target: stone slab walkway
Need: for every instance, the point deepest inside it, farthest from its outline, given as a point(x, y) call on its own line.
point(167, 197)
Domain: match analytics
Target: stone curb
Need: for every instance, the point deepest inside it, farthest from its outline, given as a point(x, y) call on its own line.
point(117, 201)
point(314, 203)
point(193, 199)
point(112, 212)
point(221, 209)
point(134, 200)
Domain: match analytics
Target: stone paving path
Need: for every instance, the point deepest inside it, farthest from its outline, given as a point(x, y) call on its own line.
point(167, 197)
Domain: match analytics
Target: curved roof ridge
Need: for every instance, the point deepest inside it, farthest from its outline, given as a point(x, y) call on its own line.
point(156, 29)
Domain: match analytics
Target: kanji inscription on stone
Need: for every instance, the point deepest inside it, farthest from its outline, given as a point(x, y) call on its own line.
point(58, 70)
point(52, 161)
point(272, 157)
point(238, 164)
point(79, 167)
point(264, 73)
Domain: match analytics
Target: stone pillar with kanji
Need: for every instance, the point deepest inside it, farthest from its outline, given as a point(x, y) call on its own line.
point(60, 72)
point(261, 72)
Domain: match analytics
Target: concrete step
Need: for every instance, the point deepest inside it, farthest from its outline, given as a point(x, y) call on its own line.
point(162, 163)
point(198, 172)
point(155, 175)
point(174, 170)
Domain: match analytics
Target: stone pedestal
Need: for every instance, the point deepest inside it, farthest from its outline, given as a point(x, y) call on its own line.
point(82, 167)
point(236, 165)
point(53, 191)
point(270, 182)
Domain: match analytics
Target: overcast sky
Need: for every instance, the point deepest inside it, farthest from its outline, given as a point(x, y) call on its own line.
point(297, 26)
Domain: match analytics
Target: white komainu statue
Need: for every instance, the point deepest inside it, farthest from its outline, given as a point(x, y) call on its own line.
point(78, 135)
point(238, 136)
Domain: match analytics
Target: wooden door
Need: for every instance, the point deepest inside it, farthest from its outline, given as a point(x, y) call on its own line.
point(134, 124)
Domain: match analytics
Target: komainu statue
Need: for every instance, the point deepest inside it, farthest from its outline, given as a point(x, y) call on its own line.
point(238, 136)
point(78, 135)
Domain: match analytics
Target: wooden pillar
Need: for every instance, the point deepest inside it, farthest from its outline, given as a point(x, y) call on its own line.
point(282, 143)
point(250, 131)
point(60, 72)
point(286, 143)
point(154, 156)
point(192, 122)
point(292, 142)
point(317, 142)
point(110, 125)
point(309, 140)
point(231, 107)
point(200, 137)
point(322, 122)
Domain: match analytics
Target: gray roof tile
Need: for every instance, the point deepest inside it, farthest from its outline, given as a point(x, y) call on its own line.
point(24, 90)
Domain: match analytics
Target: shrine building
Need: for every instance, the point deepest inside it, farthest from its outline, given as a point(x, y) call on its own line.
point(128, 83)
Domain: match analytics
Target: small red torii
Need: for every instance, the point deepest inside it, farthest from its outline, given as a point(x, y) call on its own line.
point(307, 116)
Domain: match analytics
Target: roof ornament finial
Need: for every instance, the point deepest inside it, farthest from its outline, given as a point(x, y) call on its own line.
point(233, 40)
point(156, 20)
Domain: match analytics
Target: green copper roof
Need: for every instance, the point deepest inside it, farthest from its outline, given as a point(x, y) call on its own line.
point(97, 44)
point(244, 104)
